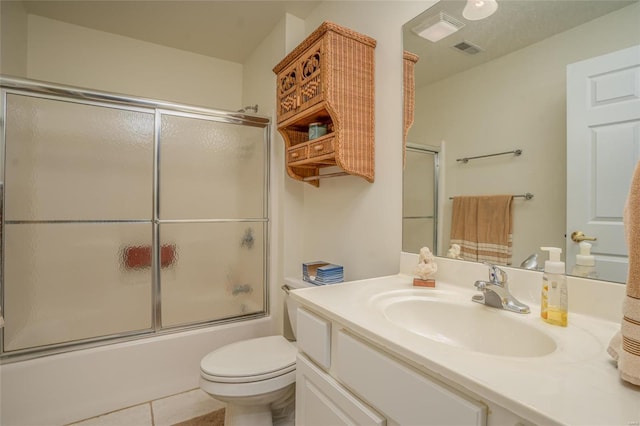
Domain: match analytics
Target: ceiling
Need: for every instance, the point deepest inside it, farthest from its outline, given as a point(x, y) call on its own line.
point(228, 30)
point(231, 30)
point(515, 25)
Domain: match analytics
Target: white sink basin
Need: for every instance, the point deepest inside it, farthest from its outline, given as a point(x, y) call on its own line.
point(464, 324)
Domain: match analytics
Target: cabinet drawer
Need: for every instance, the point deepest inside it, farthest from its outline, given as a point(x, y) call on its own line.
point(323, 147)
point(322, 401)
point(297, 154)
point(403, 394)
point(314, 337)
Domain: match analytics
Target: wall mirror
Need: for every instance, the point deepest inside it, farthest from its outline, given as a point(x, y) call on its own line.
point(500, 84)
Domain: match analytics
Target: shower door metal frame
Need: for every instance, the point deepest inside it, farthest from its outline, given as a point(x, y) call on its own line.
point(428, 149)
point(44, 90)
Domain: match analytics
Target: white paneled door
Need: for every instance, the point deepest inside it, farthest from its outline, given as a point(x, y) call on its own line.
point(603, 147)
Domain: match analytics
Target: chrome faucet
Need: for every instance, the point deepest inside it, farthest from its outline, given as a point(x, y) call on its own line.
point(495, 292)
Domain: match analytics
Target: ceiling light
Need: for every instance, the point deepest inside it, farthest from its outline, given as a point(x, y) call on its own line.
point(435, 30)
point(479, 9)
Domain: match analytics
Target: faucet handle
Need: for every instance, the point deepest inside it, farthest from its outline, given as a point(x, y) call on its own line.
point(481, 285)
point(497, 275)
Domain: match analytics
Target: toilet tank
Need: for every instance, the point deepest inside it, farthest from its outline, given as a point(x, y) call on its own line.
point(292, 305)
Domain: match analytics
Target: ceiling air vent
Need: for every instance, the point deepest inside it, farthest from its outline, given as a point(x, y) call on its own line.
point(468, 48)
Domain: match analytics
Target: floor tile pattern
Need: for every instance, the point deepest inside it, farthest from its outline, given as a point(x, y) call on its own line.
point(192, 408)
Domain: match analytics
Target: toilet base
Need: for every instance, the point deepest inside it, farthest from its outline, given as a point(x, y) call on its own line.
point(246, 415)
point(275, 408)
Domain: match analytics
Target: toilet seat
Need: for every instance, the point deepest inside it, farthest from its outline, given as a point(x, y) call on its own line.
point(250, 361)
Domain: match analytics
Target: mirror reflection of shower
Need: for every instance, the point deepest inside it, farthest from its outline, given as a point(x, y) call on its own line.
point(420, 198)
point(250, 108)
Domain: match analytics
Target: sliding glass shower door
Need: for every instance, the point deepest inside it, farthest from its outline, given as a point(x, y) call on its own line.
point(124, 219)
point(77, 192)
point(212, 209)
point(419, 205)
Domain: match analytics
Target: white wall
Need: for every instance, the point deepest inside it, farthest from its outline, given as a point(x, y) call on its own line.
point(13, 47)
point(292, 192)
point(517, 101)
point(259, 88)
point(13, 43)
point(78, 56)
point(348, 220)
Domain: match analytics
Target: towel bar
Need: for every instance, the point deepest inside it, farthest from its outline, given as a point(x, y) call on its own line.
point(328, 175)
point(515, 152)
point(526, 196)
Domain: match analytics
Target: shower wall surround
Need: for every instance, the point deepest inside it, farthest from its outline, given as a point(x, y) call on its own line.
point(127, 217)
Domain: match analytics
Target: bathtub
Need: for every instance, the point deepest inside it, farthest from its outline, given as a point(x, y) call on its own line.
point(68, 387)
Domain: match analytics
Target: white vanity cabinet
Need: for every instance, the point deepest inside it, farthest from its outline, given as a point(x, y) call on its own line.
point(385, 366)
point(322, 401)
point(405, 395)
point(362, 385)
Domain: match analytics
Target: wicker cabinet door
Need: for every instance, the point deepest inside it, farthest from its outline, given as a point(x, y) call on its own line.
point(311, 65)
point(288, 92)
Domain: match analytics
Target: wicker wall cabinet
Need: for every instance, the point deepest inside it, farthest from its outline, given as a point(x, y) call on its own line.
point(328, 79)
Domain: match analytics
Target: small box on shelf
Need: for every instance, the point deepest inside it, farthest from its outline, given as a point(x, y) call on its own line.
point(322, 273)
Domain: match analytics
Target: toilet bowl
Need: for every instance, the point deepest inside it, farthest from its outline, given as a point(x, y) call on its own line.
point(255, 377)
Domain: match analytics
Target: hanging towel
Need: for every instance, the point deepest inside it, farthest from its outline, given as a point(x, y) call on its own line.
point(625, 345)
point(483, 228)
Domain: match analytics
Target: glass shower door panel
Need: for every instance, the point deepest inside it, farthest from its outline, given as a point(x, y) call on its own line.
point(419, 184)
point(419, 201)
point(417, 233)
point(217, 272)
point(211, 169)
point(65, 282)
point(74, 161)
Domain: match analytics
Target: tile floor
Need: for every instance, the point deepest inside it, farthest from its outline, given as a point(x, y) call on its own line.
point(161, 412)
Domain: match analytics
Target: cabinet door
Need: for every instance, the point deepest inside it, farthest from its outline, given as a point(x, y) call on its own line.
point(288, 91)
point(314, 337)
point(311, 76)
point(404, 395)
point(321, 401)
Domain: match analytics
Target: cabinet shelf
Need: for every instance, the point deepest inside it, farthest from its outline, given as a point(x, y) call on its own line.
point(328, 78)
point(315, 114)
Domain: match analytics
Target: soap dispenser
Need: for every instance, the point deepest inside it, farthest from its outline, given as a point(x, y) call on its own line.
point(554, 304)
point(585, 262)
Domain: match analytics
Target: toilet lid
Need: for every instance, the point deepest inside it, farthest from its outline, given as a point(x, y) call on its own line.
point(250, 360)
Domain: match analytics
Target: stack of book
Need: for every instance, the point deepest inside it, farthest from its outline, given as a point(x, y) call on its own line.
point(322, 273)
point(329, 274)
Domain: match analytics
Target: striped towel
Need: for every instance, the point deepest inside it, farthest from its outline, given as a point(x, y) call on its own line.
point(483, 227)
point(625, 345)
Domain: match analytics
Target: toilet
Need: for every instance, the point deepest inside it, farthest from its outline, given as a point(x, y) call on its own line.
point(255, 377)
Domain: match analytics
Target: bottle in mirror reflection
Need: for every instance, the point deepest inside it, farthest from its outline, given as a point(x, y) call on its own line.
point(585, 262)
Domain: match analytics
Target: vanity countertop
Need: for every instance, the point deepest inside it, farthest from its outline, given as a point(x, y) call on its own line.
point(576, 384)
